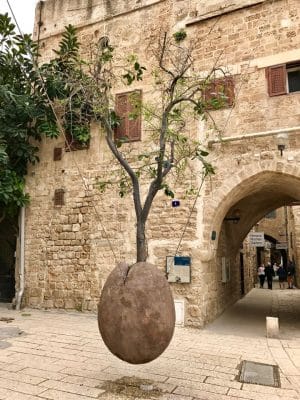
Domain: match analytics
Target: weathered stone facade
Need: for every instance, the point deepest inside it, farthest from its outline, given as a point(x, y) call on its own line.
point(67, 255)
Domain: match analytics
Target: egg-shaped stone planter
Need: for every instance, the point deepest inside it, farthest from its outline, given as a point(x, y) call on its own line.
point(136, 313)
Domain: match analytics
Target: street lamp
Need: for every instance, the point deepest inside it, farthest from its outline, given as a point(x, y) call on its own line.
point(281, 139)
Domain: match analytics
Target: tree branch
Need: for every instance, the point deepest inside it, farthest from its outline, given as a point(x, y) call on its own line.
point(162, 54)
point(125, 165)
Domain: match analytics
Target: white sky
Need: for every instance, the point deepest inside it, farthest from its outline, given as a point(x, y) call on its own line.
point(23, 10)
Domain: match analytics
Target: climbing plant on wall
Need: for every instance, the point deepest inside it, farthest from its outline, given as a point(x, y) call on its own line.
point(26, 109)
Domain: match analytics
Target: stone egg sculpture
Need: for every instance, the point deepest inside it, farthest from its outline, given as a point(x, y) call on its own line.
point(136, 314)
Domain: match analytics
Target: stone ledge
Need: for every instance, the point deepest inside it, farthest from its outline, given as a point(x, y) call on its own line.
point(224, 10)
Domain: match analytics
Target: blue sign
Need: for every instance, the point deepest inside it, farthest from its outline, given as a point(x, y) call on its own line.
point(182, 260)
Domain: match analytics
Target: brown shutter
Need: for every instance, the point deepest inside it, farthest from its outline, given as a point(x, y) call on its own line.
point(125, 105)
point(277, 80)
point(121, 109)
point(217, 88)
point(57, 153)
point(134, 125)
point(210, 91)
point(229, 90)
point(59, 197)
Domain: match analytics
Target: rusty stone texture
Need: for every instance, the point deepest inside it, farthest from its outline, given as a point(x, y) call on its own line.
point(136, 313)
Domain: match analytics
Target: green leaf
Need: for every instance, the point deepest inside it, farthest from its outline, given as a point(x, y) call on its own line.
point(179, 36)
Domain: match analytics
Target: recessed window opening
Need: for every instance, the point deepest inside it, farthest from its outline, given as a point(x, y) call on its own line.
point(293, 77)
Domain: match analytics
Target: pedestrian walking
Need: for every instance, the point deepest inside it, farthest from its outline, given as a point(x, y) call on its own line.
point(261, 275)
point(269, 272)
point(281, 272)
point(275, 267)
point(290, 273)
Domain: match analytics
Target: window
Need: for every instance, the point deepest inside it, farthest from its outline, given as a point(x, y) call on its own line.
point(219, 93)
point(57, 153)
point(293, 78)
point(128, 110)
point(59, 197)
point(283, 79)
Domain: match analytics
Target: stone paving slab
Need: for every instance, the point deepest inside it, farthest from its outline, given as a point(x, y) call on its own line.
point(60, 356)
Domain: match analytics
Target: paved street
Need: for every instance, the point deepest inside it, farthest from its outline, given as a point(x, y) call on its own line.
point(59, 355)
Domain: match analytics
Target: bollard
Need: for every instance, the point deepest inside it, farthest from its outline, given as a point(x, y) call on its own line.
point(272, 327)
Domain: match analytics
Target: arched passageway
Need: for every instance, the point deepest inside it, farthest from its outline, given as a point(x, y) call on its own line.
point(263, 193)
point(240, 208)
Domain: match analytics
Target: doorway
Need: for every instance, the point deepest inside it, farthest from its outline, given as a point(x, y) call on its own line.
point(8, 235)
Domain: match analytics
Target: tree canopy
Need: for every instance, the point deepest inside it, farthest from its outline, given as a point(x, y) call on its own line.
point(26, 109)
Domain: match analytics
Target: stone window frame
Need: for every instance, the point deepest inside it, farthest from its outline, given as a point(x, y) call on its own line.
point(278, 78)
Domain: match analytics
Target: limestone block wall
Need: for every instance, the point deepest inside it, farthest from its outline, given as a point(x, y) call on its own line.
point(296, 240)
point(275, 227)
point(68, 255)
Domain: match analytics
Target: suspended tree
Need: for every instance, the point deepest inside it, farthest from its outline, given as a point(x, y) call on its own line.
point(62, 97)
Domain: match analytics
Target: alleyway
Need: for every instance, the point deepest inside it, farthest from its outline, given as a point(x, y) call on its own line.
point(247, 317)
point(60, 356)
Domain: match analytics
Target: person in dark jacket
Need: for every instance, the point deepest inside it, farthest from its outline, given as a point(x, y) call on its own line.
point(290, 274)
point(269, 272)
point(281, 272)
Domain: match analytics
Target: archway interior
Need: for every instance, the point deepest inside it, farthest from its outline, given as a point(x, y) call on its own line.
point(240, 211)
point(251, 210)
point(8, 234)
point(269, 192)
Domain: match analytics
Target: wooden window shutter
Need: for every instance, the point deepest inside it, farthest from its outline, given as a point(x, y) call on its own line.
point(134, 125)
point(221, 90)
point(126, 105)
point(276, 76)
point(229, 90)
point(59, 197)
point(57, 153)
point(121, 109)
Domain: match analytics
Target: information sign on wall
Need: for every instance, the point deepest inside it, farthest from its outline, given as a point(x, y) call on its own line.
point(281, 245)
point(178, 269)
point(257, 239)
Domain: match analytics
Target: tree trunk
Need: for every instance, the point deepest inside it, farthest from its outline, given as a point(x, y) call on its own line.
point(141, 243)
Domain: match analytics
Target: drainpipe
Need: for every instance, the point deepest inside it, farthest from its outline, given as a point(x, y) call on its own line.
point(22, 260)
point(253, 135)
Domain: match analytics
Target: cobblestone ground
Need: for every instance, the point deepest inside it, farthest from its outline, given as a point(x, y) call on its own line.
point(60, 356)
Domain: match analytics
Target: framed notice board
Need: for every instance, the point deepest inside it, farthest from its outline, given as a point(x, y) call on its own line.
point(178, 269)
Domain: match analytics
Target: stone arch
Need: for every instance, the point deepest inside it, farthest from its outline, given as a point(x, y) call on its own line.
point(260, 180)
point(254, 190)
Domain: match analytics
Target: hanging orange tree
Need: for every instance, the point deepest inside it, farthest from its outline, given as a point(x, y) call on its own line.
point(83, 90)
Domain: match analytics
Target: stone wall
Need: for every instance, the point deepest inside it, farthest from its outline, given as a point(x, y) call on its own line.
point(68, 255)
